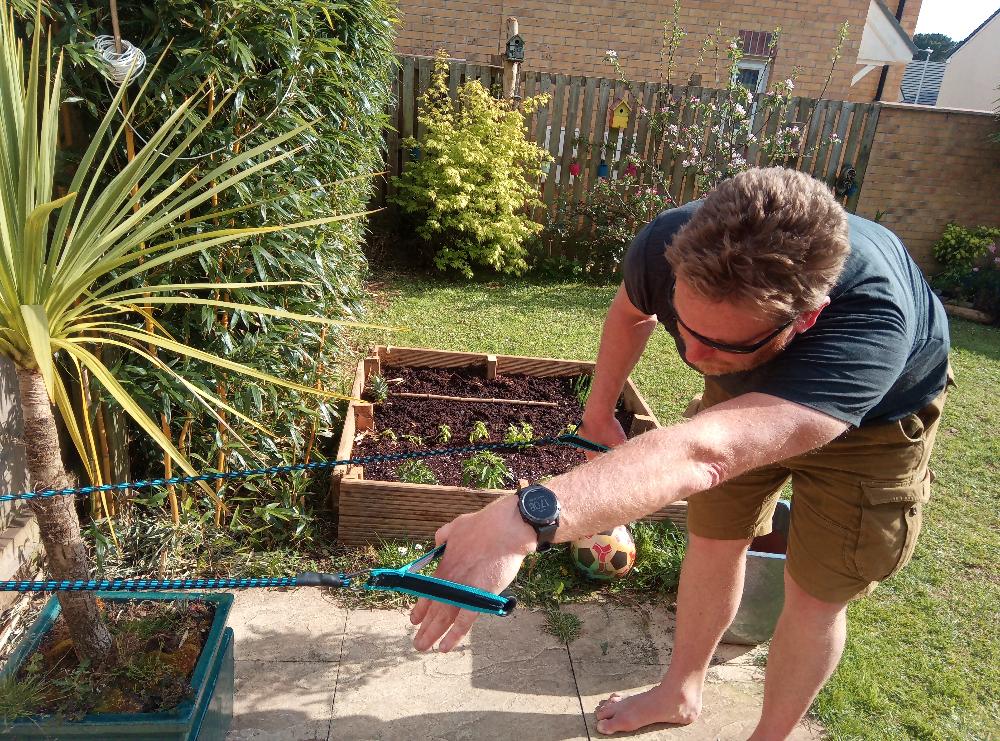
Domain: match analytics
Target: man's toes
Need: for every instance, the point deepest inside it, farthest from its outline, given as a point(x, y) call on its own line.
point(606, 708)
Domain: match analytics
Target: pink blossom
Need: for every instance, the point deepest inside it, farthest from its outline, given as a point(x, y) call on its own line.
point(975, 270)
point(993, 249)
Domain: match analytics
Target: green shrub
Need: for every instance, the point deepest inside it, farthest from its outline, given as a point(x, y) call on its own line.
point(476, 179)
point(485, 470)
point(598, 228)
point(281, 63)
point(416, 472)
point(962, 249)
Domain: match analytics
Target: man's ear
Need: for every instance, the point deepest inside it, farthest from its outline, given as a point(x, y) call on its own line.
point(808, 318)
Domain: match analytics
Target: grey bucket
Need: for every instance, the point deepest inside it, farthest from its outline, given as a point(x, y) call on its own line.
point(764, 586)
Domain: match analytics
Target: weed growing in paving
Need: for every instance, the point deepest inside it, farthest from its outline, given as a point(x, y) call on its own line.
point(563, 625)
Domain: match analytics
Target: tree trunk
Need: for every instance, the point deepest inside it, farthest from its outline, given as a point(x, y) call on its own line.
point(57, 520)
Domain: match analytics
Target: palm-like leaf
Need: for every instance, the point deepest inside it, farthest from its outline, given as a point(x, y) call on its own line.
point(71, 287)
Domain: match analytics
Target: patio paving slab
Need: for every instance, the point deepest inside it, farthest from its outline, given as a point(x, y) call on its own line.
point(510, 680)
point(308, 670)
point(627, 650)
point(302, 624)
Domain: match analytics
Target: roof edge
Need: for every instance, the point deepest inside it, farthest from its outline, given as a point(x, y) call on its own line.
point(979, 28)
point(891, 17)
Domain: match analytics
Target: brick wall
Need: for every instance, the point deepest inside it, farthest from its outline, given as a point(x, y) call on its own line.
point(571, 37)
point(930, 166)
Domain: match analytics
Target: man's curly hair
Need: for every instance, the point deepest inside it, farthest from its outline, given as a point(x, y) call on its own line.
point(769, 237)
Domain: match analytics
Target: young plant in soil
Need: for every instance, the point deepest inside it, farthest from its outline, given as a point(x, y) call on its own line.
point(485, 470)
point(416, 472)
point(378, 388)
point(519, 434)
point(479, 432)
point(444, 434)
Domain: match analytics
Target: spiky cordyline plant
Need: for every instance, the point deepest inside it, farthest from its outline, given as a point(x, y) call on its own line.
point(72, 270)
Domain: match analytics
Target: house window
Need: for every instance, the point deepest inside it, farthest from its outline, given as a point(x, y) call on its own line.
point(752, 74)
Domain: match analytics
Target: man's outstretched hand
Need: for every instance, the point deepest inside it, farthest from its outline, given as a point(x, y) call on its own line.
point(603, 429)
point(485, 550)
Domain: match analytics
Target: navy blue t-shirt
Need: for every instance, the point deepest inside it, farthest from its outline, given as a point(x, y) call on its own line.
point(877, 353)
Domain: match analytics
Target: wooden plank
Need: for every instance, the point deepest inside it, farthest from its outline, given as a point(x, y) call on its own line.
point(425, 68)
point(635, 402)
point(455, 70)
point(392, 135)
point(861, 111)
point(571, 122)
point(629, 135)
point(530, 85)
point(691, 179)
point(769, 132)
point(837, 148)
point(586, 116)
point(599, 131)
point(678, 175)
point(642, 130)
point(815, 127)
point(802, 116)
point(833, 111)
point(542, 117)
point(867, 140)
point(555, 123)
point(408, 103)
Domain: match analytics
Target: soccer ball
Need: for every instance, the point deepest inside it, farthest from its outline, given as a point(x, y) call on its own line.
point(608, 555)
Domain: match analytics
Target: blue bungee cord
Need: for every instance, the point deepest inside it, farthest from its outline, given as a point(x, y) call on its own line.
point(405, 579)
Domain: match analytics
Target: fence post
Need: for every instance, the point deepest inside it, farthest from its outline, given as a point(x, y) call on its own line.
point(510, 68)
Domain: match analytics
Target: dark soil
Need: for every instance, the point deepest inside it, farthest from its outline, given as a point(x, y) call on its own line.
point(423, 418)
point(159, 644)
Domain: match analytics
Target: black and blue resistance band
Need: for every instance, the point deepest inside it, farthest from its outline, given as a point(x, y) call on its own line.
point(406, 579)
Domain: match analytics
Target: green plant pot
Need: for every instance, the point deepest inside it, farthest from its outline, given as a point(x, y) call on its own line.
point(764, 585)
point(205, 716)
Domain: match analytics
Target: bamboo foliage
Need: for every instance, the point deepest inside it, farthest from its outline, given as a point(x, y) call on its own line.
point(71, 287)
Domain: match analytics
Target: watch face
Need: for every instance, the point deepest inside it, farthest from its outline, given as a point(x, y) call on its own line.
point(540, 504)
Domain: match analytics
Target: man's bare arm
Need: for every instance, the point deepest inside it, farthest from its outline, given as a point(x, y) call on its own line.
point(486, 548)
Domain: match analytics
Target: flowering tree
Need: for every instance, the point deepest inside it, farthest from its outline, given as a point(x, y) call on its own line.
point(717, 134)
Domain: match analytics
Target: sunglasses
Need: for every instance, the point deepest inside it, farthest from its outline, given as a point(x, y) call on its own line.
point(737, 349)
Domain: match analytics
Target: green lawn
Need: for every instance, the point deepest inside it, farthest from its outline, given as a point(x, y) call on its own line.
point(923, 655)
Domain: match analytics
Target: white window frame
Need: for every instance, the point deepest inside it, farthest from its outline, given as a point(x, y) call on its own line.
point(763, 66)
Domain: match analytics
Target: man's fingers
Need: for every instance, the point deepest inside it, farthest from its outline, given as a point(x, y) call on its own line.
point(419, 611)
point(434, 625)
point(461, 626)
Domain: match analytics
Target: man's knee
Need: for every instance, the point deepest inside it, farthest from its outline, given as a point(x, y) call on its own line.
point(804, 605)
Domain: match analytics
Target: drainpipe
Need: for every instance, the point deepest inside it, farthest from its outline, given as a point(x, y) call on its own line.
point(885, 67)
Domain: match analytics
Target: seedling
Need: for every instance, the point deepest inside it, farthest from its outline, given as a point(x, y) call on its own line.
point(485, 471)
point(444, 434)
point(519, 434)
point(378, 388)
point(479, 432)
point(580, 385)
point(569, 429)
point(415, 439)
point(389, 435)
point(416, 472)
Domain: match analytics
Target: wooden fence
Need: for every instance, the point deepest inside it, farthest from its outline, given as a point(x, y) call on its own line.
point(579, 111)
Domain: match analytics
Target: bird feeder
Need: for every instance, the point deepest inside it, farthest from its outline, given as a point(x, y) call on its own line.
point(620, 113)
point(515, 48)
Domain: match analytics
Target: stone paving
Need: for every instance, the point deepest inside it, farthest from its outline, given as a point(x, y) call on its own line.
point(308, 669)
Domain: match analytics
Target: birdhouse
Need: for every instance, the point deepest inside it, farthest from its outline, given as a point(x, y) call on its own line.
point(620, 114)
point(515, 48)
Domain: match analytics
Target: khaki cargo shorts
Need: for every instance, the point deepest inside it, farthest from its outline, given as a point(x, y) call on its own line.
point(857, 502)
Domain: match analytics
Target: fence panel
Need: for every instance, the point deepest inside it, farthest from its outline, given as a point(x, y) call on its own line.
point(575, 127)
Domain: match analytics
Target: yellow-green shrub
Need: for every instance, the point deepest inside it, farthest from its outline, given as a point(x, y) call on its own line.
point(476, 178)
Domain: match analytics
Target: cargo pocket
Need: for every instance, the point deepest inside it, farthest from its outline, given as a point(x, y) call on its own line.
point(891, 515)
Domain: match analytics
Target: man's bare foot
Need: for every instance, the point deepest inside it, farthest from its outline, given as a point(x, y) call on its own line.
point(660, 704)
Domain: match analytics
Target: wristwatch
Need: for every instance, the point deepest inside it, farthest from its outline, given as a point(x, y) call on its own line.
point(539, 507)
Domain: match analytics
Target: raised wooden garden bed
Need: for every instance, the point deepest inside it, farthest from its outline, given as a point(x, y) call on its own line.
point(373, 505)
